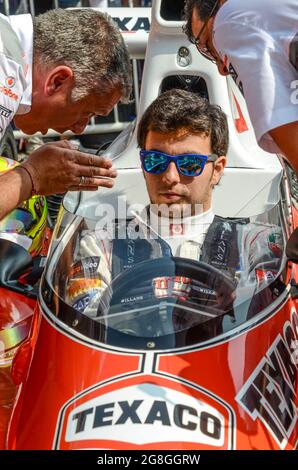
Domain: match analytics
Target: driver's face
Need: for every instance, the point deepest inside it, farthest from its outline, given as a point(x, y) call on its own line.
point(174, 189)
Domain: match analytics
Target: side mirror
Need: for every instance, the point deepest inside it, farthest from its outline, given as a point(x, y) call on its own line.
point(15, 261)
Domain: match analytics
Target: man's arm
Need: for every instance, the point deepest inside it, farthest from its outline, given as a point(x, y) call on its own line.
point(15, 187)
point(54, 168)
point(286, 137)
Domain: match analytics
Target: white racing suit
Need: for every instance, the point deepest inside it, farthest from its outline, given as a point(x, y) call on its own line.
point(16, 51)
point(245, 252)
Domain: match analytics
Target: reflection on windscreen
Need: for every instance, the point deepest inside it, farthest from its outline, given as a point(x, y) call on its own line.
point(136, 287)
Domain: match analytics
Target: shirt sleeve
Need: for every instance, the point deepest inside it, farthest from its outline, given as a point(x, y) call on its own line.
point(12, 82)
point(266, 74)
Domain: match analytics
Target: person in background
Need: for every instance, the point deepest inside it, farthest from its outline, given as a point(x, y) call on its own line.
point(257, 42)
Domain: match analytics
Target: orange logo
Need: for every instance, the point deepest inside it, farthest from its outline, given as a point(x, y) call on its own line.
point(6, 91)
point(10, 82)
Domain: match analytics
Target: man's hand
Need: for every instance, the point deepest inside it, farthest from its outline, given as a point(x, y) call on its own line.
point(57, 168)
point(54, 168)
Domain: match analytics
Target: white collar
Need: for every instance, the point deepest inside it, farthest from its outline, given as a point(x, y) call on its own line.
point(164, 226)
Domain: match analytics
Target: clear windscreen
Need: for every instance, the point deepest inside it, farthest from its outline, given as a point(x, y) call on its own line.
point(122, 284)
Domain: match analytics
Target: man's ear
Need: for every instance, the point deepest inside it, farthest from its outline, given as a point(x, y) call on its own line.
point(59, 79)
point(218, 169)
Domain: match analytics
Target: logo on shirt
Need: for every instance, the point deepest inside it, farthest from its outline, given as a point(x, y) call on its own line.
point(176, 229)
point(294, 52)
point(294, 95)
point(5, 112)
point(7, 91)
point(10, 82)
point(166, 286)
point(275, 244)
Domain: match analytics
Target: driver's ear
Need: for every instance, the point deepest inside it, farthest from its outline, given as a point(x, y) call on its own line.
point(218, 169)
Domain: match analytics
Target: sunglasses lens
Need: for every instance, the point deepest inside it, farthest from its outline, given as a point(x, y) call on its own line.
point(155, 162)
point(190, 165)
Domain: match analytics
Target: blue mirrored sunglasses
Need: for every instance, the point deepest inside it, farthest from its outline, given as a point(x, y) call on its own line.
point(187, 164)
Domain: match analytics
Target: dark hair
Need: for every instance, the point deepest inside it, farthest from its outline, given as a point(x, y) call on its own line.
point(90, 43)
point(203, 9)
point(179, 109)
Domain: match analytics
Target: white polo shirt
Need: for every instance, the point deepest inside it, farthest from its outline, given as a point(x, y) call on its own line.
point(257, 39)
point(16, 52)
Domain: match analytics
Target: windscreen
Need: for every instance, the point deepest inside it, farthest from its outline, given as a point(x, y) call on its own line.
point(124, 284)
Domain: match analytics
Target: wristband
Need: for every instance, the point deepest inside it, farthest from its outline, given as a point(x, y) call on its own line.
point(33, 190)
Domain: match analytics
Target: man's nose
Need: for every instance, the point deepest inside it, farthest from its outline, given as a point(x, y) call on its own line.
point(171, 175)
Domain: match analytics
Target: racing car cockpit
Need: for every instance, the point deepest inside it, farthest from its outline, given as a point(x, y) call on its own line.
point(116, 281)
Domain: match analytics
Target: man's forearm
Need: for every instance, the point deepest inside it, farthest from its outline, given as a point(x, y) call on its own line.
point(40, 174)
point(15, 187)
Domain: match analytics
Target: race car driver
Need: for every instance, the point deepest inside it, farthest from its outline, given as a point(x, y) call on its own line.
point(58, 79)
point(183, 141)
